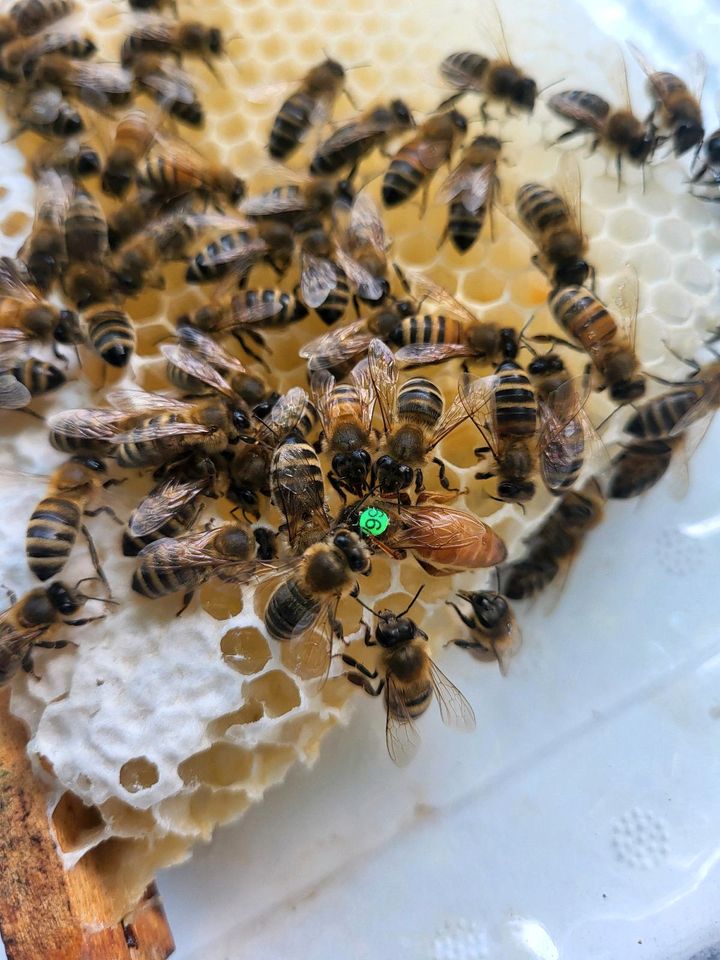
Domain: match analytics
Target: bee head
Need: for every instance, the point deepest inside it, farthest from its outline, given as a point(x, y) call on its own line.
point(88, 161)
point(490, 609)
point(712, 148)
point(546, 364)
point(402, 114)
point(516, 491)
point(354, 549)
point(393, 476)
point(687, 135)
point(572, 273)
point(352, 468)
point(67, 328)
point(214, 41)
point(63, 598)
point(641, 147)
point(524, 93)
point(393, 631)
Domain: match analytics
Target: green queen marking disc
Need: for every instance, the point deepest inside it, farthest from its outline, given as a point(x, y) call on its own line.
point(373, 521)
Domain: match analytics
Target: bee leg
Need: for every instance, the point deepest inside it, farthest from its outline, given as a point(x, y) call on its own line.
point(449, 101)
point(337, 487)
point(52, 644)
point(27, 664)
point(359, 681)
point(360, 667)
point(464, 644)
point(187, 597)
point(444, 482)
point(424, 200)
point(618, 168)
point(108, 510)
point(572, 132)
point(11, 595)
point(484, 113)
point(337, 628)
point(94, 556)
point(468, 621)
point(80, 623)
point(418, 480)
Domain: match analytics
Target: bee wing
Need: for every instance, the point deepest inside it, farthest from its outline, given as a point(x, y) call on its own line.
point(322, 385)
point(162, 504)
point(17, 641)
point(432, 154)
point(401, 735)
point(172, 84)
point(474, 398)
point(334, 348)
point(241, 313)
point(368, 286)
point(494, 28)
point(458, 78)
point(569, 108)
point(270, 203)
point(697, 411)
point(426, 289)
point(561, 442)
point(194, 339)
point(360, 375)
point(12, 284)
point(356, 132)
point(421, 353)
point(366, 223)
point(10, 339)
point(318, 279)
point(87, 424)
point(644, 64)
point(455, 709)
point(384, 377)
point(289, 409)
point(475, 186)
point(13, 394)
point(153, 28)
point(161, 431)
point(133, 400)
point(96, 82)
point(431, 527)
point(568, 184)
point(241, 258)
point(626, 301)
point(194, 550)
point(302, 497)
point(264, 92)
point(42, 106)
point(697, 73)
point(196, 366)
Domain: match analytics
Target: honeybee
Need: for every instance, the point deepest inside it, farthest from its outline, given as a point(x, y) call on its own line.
point(362, 250)
point(493, 628)
point(417, 160)
point(24, 316)
point(295, 203)
point(679, 108)
point(43, 252)
point(56, 521)
point(17, 57)
point(443, 540)
point(353, 141)
point(33, 620)
point(323, 283)
point(35, 377)
point(409, 679)
point(133, 137)
point(415, 420)
point(671, 413)
point(456, 333)
point(74, 158)
point(308, 105)
point(87, 278)
point(175, 171)
point(553, 222)
point(609, 344)
point(32, 16)
point(293, 417)
point(171, 508)
point(170, 86)
point(639, 466)
point(469, 190)
point(555, 543)
point(297, 488)
point(100, 85)
point(45, 112)
point(111, 334)
point(184, 563)
point(237, 252)
point(176, 37)
point(346, 411)
point(89, 432)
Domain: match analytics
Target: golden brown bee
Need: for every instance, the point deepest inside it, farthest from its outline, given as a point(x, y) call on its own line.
point(31, 16)
point(353, 141)
point(25, 317)
point(409, 680)
point(100, 85)
point(555, 543)
point(416, 162)
point(235, 253)
point(74, 158)
point(184, 563)
point(361, 251)
point(171, 507)
point(170, 86)
point(32, 621)
point(32, 378)
point(87, 279)
point(497, 79)
point(57, 519)
point(44, 252)
point(185, 37)
point(610, 346)
point(294, 203)
point(671, 413)
point(111, 334)
point(492, 625)
point(17, 57)
point(552, 220)
point(309, 105)
point(639, 466)
point(134, 135)
point(678, 107)
point(175, 171)
point(46, 113)
point(470, 191)
point(346, 411)
point(442, 539)
point(415, 420)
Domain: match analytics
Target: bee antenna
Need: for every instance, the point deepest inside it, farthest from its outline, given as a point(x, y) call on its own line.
point(410, 605)
point(87, 596)
point(549, 85)
point(355, 596)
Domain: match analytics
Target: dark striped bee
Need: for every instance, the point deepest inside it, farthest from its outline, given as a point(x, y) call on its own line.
point(353, 141)
point(100, 85)
point(639, 466)
point(28, 17)
point(470, 191)
point(297, 488)
point(35, 377)
point(176, 37)
point(25, 317)
point(72, 157)
point(309, 105)
point(457, 332)
point(492, 625)
point(323, 283)
point(33, 620)
point(235, 253)
point(415, 420)
point(170, 86)
point(610, 346)
point(554, 544)
point(184, 563)
point(89, 432)
point(46, 112)
point(44, 252)
point(361, 250)
point(671, 413)
point(171, 507)
point(111, 334)
point(552, 220)
point(409, 680)
point(57, 519)
point(17, 58)
point(346, 412)
point(417, 160)
point(679, 108)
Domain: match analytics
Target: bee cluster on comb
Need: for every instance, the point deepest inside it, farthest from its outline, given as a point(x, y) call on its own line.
point(245, 404)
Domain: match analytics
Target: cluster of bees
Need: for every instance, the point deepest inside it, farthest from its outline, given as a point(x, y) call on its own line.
point(226, 432)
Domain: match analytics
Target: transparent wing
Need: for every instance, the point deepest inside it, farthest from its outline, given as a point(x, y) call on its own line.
point(426, 289)
point(193, 339)
point(474, 399)
point(355, 133)
point(12, 284)
point(10, 339)
point(401, 735)
point(644, 64)
point(366, 223)
point(455, 710)
point(288, 411)
point(458, 78)
point(697, 411)
point(312, 641)
point(367, 285)
point(384, 378)
point(626, 301)
point(494, 28)
point(196, 366)
point(42, 107)
point(171, 83)
point(161, 431)
point(474, 185)
point(569, 187)
point(240, 313)
point(241, 257)
point(300, 493)
point(569, 108)
point(163, 503)
point(433, 154)
point(133, 400)
point(422, 353)
point(87, 424)
point(13, 394)
point(336, 347)
point(155, 29)
point(190, 550)
point(360, 375)
point(322, 385)
point(318, 279)
point(269, 203)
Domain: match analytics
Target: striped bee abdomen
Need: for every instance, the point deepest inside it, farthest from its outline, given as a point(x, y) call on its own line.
point(51, 533)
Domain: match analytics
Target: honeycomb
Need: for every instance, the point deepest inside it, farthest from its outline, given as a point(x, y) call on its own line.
point(156, 729)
